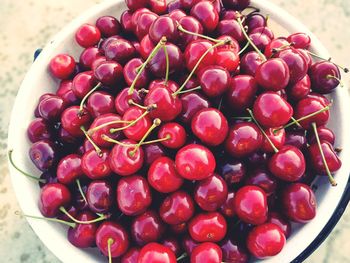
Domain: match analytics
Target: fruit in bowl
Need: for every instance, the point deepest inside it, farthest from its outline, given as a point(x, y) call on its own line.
point(188, 119)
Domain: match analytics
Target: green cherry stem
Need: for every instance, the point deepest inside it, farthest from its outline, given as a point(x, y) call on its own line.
point(262, 131)
point(21, 171)
point(91, 131)
point(181, 29)
point(168, 137)
point(244, 48)
point(184, 255)
point(81, 108)
point(133, 103)
point(336, 78)
point(81, 190)
point(242, 118)
point(110, 242)
point(97, 149)
point(330, 177)
point(100, 218)
point(154, 52)
point(167, 65)
point(296, 121)
point(346, 70)
point(108, 139)
point(73, 225)
point(190, 90)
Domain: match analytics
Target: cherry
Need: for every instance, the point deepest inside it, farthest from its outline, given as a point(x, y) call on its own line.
point(243, 139)
point(69, 169)
point(99, 196)
point(206, 252)
point(173, 244)
point(136, 15)
point(163, 177)
point(250, 63)
point(130, 256)
point(189, 244)
point(112, 239)
point(279, 220)
point(66, 93)
point(227, 55)
point(227, 208)
point(296, 139)
point(264, 30)
point(208, 227)
point(146, 47)
point(298, 202)
point(260, 40)
point(214, 80)
point(192, 102)
point(177, 208)
point(231, 28)
point(255, 20)
point(87, 35)
point(62, 66)
point(38, 130)
point(275, 45)
point(307, 56)
point(266, 240)
point(271, 110)
point(124, 160)
point(176, 13)
point(241, 92)
point(133, 195)
point(147, 228)
point(158, 6)
point(321, 98)
point(119, 50)
point(109, 73)
point(300, 89)
point(97, 62)
point(121, 102)
point(152, 152)
point(233, 171)
point(100, 103)
point(174, 134)
point(250, 205)
point(190, 24)
point(108, 26)
point(43, 154)
point(50, 108)
point(195, 50)
point(262, 178)
point(133, 5)
point(273, 74)
point(324, 134)
point(277, 137)
point(170, 85)
point(179, 228)
point(232, 251)
point(325, 77)
point(195, 162)
point(144, 23)
point(187, 4)
point(79, 196)
point(83, 83)
point(130, 72)
point(94, 165)
point(300, 40)
point(138, 130)
point(156, 253)
point(163, 26)
point(206, 14)
point(72, 119)
point(210, 193)
point(53, 196)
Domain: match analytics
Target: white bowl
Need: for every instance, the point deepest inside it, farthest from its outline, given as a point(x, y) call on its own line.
point(39, 81)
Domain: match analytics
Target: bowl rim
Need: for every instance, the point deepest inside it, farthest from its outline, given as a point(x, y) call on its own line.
point(276, 13)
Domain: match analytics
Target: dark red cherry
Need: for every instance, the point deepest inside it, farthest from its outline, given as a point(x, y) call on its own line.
point(83, 83)
point(51, 108)
point(72, 120)
point(324, 134)
point(131, 255)
point(87, 35)
point(189, 244)
point(208, 227)
point(158, 6)
point(173, 244)
point(258, 159)
point(146, 228)
point(233, 251)
point(170, 84)
point(109, 73)
point(38, 130)
point(62, 66)
point(316, 160)
point(279, 220)
point(271, 110)
point(250, 63)
point(243, 139)
point(94, 165)
point(206, 252)
point(146, 47)
point(255, 20)
point(152, 152)
point(43, 154)
point(108, 26)
point(321, 98)
point(296, 139)
point(206, 14)
point(214, 80)
point(325, 77)
point(124, 160)
point(100, 103)
point(187, 4)
point(273, 74)
point(191, 24)
point(195, 50)
point(227, 208)
point(52, 197)
point(229, 14)
point(195, 162)
point(69, 169)
point(298, 202)
point(144, 24)
point(156, 253)
point(275, 45)
point(264, 30)
point(278, 139)
point(99, 196)
point(133, 195)
point(176, 134)
point(130, 72)
point(120, 50)
point(121, 102)
point(176, 13)
point(300, 40)
point(163, 26)
point(66, 93)
point(260, 40)
point(83, 235)
point(250, 205)
point(136, 15)
point(233, 171)
point(177, 208)
point(300, 89)
point(163, 177)
point(231, 28)
point(116, 235)
point(192, 103)
point(133, 5)
point(265, 241)
point(262, 178)
point(139, 129)
point(236, 4)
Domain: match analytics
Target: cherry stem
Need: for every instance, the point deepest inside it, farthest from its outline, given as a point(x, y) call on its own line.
point(336, 78)
point(244, 48)
point(154, 52)
point(97, 149)
point(222, 42)
point(296, 122)
point(330, 177)
point(276, 50)
point(167, 65)
point(180, 28)
point(249, 40)
point(220, 103)
point(190, 90)
point(133, 103)
point(243, 118)
point(110, 242)
point(168, 137)
point(91, 131)
point(73, 225)
point(108, 139)
point(21, 171)
point(262, 131)
point(346, 70)
point(81, 190)
point(81, 108)
point(184, 255)
point(100, 218)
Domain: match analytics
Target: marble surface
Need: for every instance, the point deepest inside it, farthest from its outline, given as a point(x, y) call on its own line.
point(26, 25)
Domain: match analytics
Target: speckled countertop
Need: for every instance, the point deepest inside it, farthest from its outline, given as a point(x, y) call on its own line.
point(27, 25)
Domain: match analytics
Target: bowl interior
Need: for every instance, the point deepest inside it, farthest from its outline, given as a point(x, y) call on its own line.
point(39, 81)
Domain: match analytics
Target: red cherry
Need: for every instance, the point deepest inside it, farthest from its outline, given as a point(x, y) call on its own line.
point(296, 139)
point(316, 160)
point(189, 244)
point(262, 178)
point(191, 24)
point(94, 165)
point(130, 72)
point(175, 13)
point(260, 40)
point(108, 26)
point(38, 130)
point(130, 256)
point(206, 14)
point(300, 40)
point(232, 251)
point(325, 77)
point(136, 15)
point(133, 5)
point(172, 86)
point(250, 63)
point(72, 120)
point(119, 50)
point(264, 30)
point(227, 55)
point(278, 138)
point(69, 169)
point(100, 103)
point(195, 50)
point(227, 208)
point(233, 171)
point(99, 196)
point(275, 45)
point(281, 221)
point(66, 93)
point(52, 197)
point(173, 244)
point(163, 26)
point(152, 152)
point(158, 6)
point(83, 235)
point(255, 20)
point(62, 66)
point(139, 129)
point(156, 253)
point(88, 56)
point(121, 102)
point(146, 47)
point(324, 134)
point(144, 23)
point(83, 83)
point(176, 134)
point(308, 106)
point(214, 80)
point(87, 35)
point(206, 252)
point(300, 89)
point(109, 73)
point(192, 102)
point(231, 28)
point(188, 4)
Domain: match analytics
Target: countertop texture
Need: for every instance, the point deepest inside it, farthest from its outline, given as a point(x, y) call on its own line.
point(27, 25)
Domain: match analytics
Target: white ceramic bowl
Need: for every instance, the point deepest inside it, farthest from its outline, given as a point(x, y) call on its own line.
point(39, 81)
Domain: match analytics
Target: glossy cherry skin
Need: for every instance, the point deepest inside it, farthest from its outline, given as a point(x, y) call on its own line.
point(281, 221)
point(288, 164)
point(300, 40)
point(133, 5)
point(159, 7)
point(152, 152)
point(206, 14)
point(322, 77)
point(133, 195)
point(210, 193)
point(232, 251)
point(174, 10)
point(121, 102)
point(116, 232)
point(109, 73)
point(72, 120)
point(264, 30)
point(144, 23)
point(210, 126)
point(241, 92)
point(227, 55)
point(51, 108)
point(52, 197)
point(276, 137)
point(177, 208)
point(83, 235)
point(66, 93)
point(308, 106)
point(192, 102)
point(273, 74)
point(260, 40)
point(87, 35)
point(163, 26)
point(146, 47)
point(108, 26)
point(243, 139)
point(214, 80)
point(139, 129)
point(250, 205)
point(233, 171)
point(120, 50)
point(250, 62)
point(189, 244)
point(122, 160)
point(332, 159)
point(255, 20)
point(206, 252)
point(300, 89)
point(130, 73)
point(69, 169)
point(146, 228)
point(208, 227)
point(96, 166)
point(62, 66)
point(131, 255)
point(262, 178)
point(195, 50)
point(324, 134)
point(99, 196)
point(265, 241)
point(100, 103)
point(191, 24)
point(43, 154)
point(296, 139)
point(176, 134)
point(298, 203)
point(83, 83)
point(163, 177)
point(227, 208)
point(170, 84)
point(38, 130)
point(275, 45)
point(231, 28)
point(271, 110)
point(156, 253)
point(173, 244)
point(195, 162)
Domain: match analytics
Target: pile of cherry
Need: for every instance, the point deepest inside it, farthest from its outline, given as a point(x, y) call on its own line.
point(185, 132)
